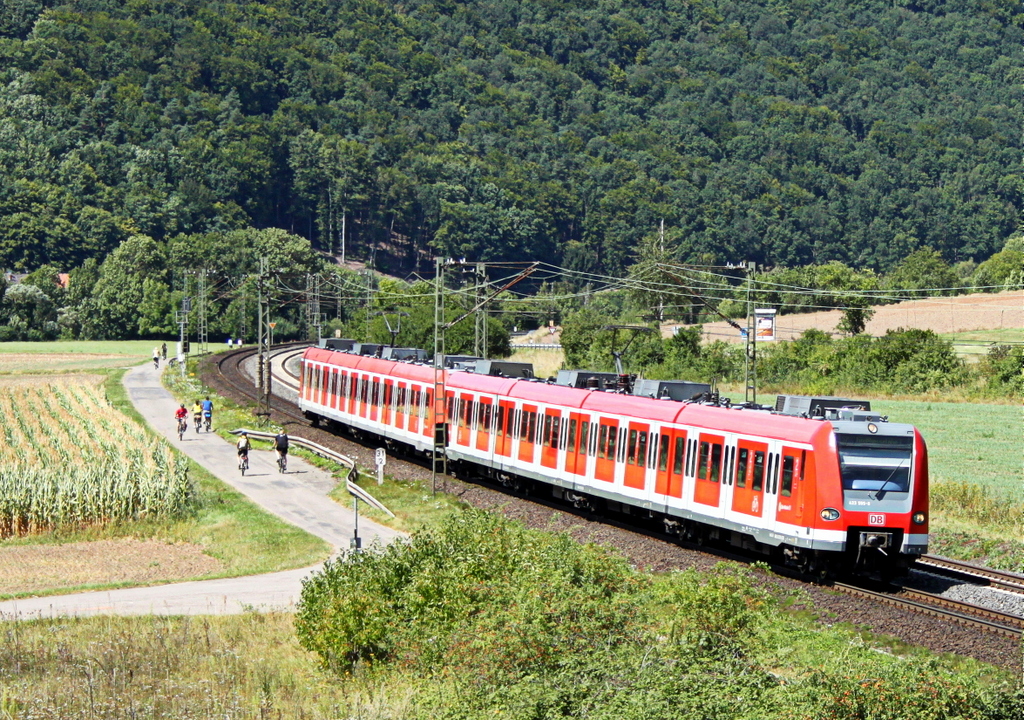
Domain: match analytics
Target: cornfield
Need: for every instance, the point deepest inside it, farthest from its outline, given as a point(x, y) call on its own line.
point(68, 459)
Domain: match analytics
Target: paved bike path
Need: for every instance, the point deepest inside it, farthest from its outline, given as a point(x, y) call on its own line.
point(298, 496)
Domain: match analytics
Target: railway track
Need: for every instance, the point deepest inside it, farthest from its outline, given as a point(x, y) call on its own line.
point(228, 368)
point(955, 611)
point(960, 570)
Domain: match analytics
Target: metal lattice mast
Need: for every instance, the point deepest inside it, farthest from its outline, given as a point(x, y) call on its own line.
point(480, 318)
point(263, 343)
point(750, 365)
point(202, 290)
point(439, 456)
point(315, 310)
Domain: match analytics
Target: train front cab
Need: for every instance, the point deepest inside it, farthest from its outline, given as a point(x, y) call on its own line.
point(873, 494)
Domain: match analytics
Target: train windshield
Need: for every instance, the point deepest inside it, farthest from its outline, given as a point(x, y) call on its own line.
point(875, 462)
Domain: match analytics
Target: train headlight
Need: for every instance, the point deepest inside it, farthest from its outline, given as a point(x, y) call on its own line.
point(829, 514)
point(919, 518)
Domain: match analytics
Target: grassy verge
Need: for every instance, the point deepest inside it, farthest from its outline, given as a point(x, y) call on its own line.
point(527, 640)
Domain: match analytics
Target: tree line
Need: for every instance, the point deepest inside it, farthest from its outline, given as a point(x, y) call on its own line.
point(782, 133)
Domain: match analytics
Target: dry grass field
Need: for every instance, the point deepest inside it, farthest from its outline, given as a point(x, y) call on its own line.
point(999, 316)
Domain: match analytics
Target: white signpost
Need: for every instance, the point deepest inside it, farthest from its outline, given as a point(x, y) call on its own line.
point(381, 458)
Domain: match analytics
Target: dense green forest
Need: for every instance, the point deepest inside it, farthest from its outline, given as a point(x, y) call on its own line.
point(786, 133)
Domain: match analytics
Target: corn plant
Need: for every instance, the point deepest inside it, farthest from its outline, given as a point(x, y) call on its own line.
point(68, 459)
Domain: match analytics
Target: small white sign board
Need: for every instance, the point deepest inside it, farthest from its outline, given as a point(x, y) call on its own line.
point(381, 458)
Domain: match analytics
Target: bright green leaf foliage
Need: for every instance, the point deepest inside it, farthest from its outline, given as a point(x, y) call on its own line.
point(482, 618)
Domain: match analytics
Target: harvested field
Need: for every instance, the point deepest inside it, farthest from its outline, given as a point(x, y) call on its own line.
point(942, 315)
point(44, 568)
point(52, 362)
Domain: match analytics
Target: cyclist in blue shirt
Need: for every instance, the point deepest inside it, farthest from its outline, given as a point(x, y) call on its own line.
point(207, 412)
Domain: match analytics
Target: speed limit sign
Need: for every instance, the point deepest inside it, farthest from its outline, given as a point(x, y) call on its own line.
point(381, 458)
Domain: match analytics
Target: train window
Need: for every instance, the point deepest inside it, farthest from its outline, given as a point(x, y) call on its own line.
point(641, 450)
point(663, 453)
point(741, 468)
point(515, 422)
point(677, 460)
point(571, 440)
point(376, 393)
point(632, 447)
point(585, 437)
point(787, 476)
point(428, 405)
point(556, 432)
point(531, 430)
point(547, 430)
point(602, 442)
point(702, 463)
point(716, 462)
point(758, 479)
point(622, 444)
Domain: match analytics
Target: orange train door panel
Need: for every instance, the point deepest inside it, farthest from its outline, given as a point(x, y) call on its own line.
point(465, 420)
point(427, 410)
point(792, 484)
point(607, 434)
point(707, 487)
point(483, 424)
point(527, 433)
point(506, 414)
point(551, 432)
point(748, 493)
point(671, 453)
point(415, 399)
point(576, 444)
point(389, 400)
point(636, 455)
point(400, 405)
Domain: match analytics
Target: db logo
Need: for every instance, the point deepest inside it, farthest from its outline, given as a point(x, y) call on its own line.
point(876, 519)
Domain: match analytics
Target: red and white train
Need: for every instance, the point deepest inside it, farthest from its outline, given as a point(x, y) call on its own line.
point(844, 489)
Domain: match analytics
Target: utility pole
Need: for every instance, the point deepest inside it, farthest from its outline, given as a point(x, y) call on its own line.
point(263, 344)
point(439, 455)
point(750, 365)
point(480, 328)
point(202, 290)
point(313, 317)
point(182, 319)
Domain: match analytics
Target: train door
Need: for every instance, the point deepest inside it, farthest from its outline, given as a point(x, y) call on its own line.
point(707, 487)
point(671, 454)
point(748, 493)
point(400, 408)
point(607, 434)
point(503, 441)
point(387, 400)
point(463, 410)
point(427, 413)
point(636, 455)
point(527, 433)
point(550, 434)
point(415, 398)
point(576, 444)
point(484, 421)
point(792, 484)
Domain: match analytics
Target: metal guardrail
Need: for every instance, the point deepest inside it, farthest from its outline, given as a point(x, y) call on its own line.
point(350, 484)
point(535, 346)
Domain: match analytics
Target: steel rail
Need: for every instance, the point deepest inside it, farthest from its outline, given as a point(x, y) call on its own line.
point(960, 570)
point(935, 606)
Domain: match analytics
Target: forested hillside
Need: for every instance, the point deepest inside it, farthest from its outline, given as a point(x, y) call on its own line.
point(782, 132)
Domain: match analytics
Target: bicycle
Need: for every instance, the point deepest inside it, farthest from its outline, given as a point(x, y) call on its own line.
point(282, 462)
point(243, 463)
point(182, 427)
point(199, 423)
point(207, 420)
point(156, 363)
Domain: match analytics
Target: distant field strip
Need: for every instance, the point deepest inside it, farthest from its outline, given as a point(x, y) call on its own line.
point(68, 459)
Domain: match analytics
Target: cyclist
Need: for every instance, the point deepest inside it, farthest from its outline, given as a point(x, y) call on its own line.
point(281, 447)
point(181, 415)
point(156, 357)
point(197, 414)
point(243, 449)
point(207, 412)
